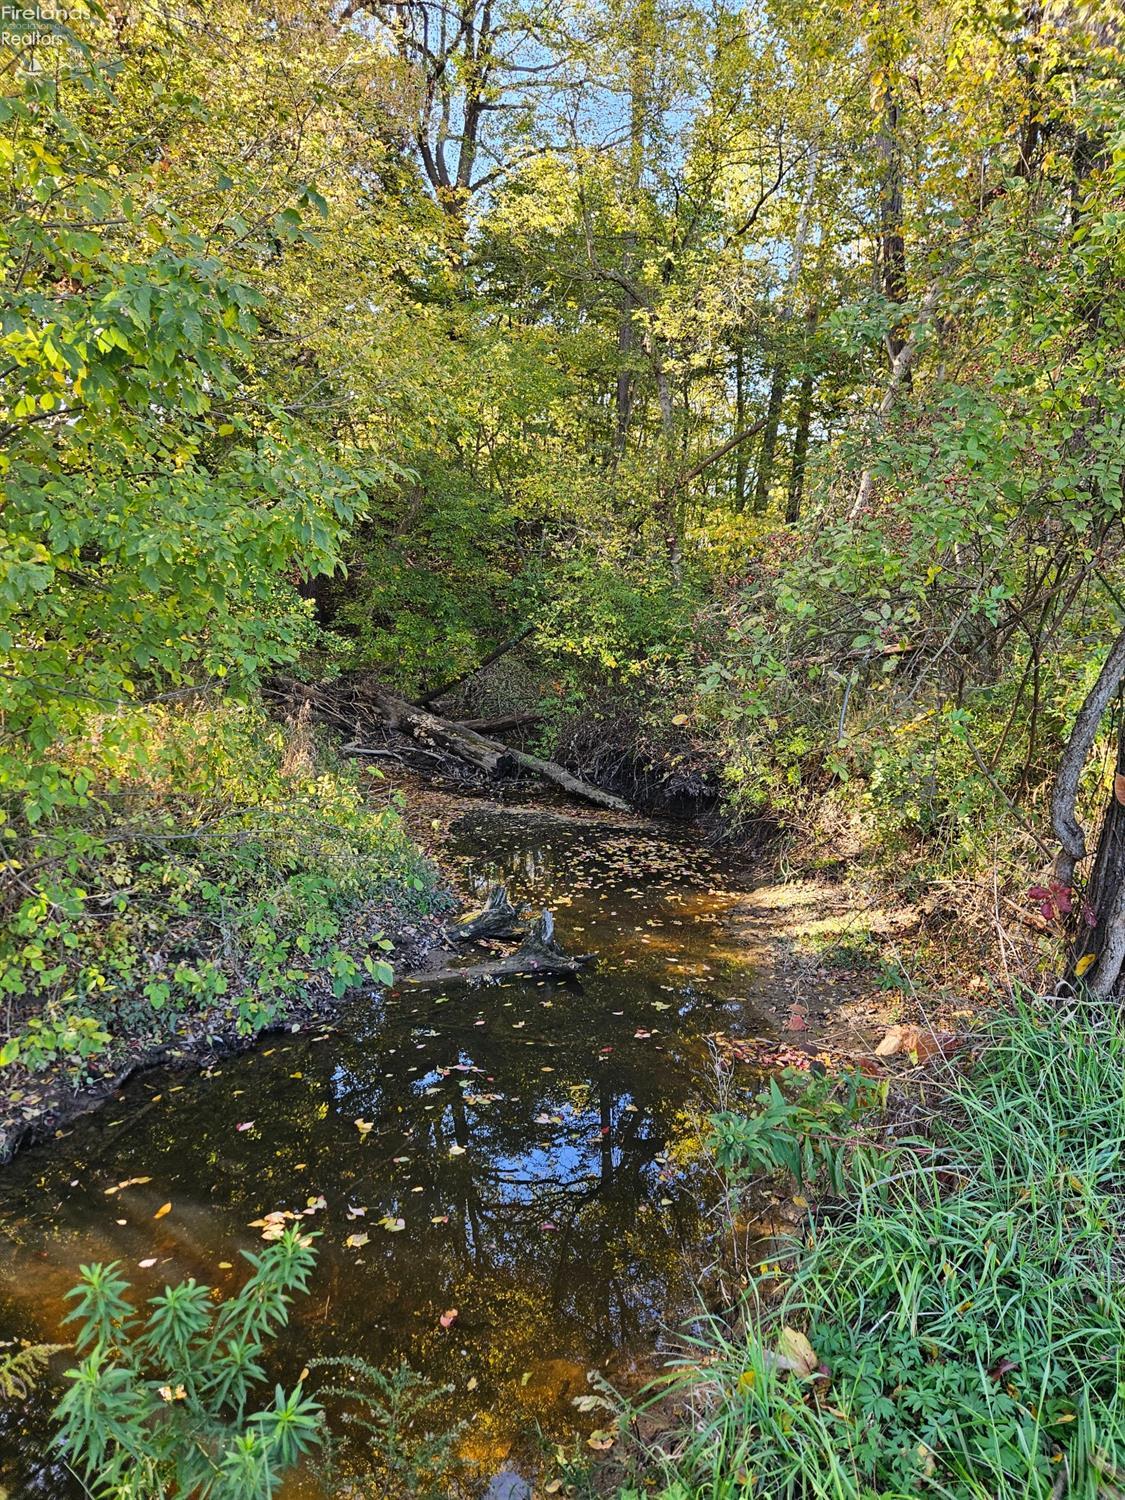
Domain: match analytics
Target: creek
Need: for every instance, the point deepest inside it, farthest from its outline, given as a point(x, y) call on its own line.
point(539, 1142)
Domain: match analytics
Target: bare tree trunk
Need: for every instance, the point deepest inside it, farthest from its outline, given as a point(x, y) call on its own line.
point(899, 373)
point(1064, 798)
point(1105, 899)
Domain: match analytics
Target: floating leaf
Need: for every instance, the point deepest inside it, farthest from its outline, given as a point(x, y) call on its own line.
point(357, 1241)
point(128, 1183)
point(165, 1208)
point(448, 1319)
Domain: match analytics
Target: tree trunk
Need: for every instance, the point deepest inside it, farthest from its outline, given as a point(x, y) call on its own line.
point(1105, 899)
point(1064, 797)
point(800, 449)
point(892, 243)
point(779, 380)
point(778, 383)
point(900, 374)
point(741, 466)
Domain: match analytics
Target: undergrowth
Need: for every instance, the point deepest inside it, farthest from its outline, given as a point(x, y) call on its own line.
point(232, 870)
point(960, 1293)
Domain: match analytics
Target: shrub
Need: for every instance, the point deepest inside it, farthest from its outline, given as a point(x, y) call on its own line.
point(162, 1404)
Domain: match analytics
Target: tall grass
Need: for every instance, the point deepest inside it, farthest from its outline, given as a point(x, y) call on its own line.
point(966, 1304)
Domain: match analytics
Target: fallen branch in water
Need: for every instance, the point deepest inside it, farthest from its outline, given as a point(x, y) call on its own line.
point(538, 957)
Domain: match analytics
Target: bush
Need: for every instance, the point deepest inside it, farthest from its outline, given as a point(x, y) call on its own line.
point(162, 1405)
point(241, 871)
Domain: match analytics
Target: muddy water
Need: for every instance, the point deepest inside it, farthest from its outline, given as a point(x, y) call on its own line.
point(537, 1141)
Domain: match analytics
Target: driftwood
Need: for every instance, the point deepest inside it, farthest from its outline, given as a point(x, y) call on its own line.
point(366, 700)
point(497, 918)
point(538, 957)
point(487, 754)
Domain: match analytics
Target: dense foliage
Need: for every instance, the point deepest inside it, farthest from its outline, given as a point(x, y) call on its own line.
point(767, 364)
point(164, 1403)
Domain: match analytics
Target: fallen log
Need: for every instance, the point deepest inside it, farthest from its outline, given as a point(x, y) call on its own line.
point(467, 744)
point(538, 957)
point(500, 722)
point(489, 755)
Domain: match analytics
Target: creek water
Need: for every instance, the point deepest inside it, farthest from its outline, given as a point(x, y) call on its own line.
point(538, 1141)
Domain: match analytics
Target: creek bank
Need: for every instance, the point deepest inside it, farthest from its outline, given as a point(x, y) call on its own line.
point(36, 1106)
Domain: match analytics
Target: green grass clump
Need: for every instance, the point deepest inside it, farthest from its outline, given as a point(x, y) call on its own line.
point(965, 1305)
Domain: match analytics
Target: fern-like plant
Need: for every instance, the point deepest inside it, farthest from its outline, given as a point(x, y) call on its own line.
point(21, 1368)
point(161, 1405)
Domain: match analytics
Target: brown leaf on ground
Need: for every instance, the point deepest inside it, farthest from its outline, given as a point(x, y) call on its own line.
point(915, 1042)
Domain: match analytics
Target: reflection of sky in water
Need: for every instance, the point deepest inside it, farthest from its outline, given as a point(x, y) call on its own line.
point(522, 1131)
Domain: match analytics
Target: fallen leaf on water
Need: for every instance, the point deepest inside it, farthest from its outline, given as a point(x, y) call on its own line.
point(128, 1183)
point(356, 1213)
point(365, 1127)
point(165, 1208)
point(245, 1125)
point(472, 1383)
point(448, 1319)
point(440, 1219)
point(149, 1261)
point(457, 1150)
point(391, 1225)
point(357, 1241)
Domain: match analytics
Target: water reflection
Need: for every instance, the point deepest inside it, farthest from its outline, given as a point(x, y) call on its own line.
point(530, 1136)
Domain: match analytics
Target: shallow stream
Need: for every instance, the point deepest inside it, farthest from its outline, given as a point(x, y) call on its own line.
point(538, 1142)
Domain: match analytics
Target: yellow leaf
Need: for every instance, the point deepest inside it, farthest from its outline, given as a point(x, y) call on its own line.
point(795, 1352)
point(165, 1208)
point(1084, 963)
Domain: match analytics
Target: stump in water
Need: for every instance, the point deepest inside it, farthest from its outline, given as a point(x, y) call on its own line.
point(538, 956)
point(498, 918)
